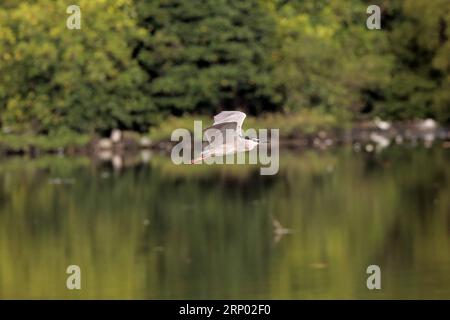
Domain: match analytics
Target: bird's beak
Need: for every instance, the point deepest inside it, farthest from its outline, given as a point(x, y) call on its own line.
point(261, 142)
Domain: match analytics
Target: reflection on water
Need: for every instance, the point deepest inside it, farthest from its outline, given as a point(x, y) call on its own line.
point(157, 230)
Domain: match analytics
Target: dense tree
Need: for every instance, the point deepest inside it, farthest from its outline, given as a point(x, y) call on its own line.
point(328, 59)
point(419, 34)
point(134, 62)
point(203, 54)
point(82, 80)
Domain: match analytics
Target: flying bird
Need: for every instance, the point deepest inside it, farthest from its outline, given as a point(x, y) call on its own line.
point(225, 136)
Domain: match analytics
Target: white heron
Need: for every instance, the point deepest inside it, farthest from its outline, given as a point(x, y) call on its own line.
point(225, 136)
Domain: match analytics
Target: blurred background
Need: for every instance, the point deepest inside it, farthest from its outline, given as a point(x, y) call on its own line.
point(85, 123)
point(133, 63)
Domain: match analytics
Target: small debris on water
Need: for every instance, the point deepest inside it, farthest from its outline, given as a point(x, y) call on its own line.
point(318, 265)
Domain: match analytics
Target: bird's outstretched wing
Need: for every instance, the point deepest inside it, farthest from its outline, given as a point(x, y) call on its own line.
point(230, 116)
point(223, 122)
point(220, 129)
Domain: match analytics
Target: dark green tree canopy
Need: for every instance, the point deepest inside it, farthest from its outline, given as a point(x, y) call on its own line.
point(203, 54)
point(82, 80)
point(419, 35)
point(135, 62)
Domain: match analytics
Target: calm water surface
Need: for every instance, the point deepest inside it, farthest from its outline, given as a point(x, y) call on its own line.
point(157, 231)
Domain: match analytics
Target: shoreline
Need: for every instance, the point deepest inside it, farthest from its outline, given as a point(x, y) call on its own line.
point(362, 134)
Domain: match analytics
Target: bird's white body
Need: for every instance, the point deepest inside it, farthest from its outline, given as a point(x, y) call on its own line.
point(225, 136)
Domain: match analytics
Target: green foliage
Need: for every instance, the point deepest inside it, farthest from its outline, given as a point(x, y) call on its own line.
point(203, 54)
point(163, 130)
point(134, 63)
point(84, 80)
point(419, 34)
point(58, 139)
point(327, 58)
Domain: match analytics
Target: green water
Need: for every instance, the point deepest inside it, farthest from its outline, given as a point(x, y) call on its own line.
point(157, 231)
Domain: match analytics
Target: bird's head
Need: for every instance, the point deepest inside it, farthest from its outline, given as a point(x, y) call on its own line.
point(250, 144)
